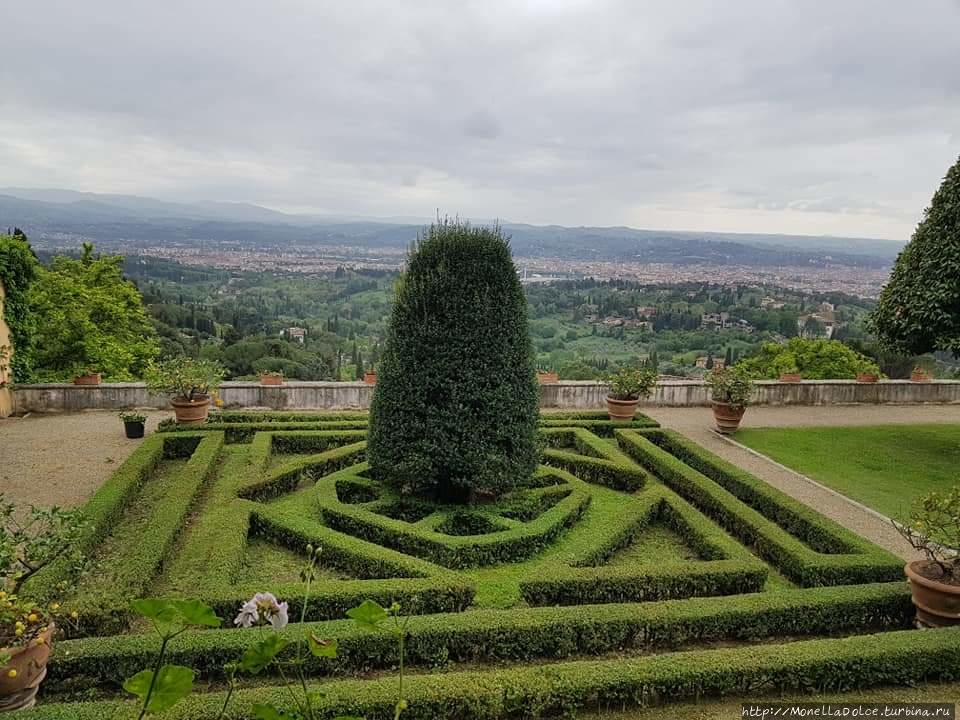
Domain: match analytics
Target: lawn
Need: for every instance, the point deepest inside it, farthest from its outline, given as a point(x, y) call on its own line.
point(884, 467)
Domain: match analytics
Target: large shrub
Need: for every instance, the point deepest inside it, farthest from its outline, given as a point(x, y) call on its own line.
point(814, 359)
point(18, 269)
point(919, 309)
point(456, 403)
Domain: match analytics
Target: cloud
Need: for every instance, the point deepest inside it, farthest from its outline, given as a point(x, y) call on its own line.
point(760, 115)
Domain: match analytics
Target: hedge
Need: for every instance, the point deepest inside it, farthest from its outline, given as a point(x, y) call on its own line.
point(244, 432)
point(313, 467)
point(903, 657)
point(793, 557)
point(518, 635)
point(510, 545)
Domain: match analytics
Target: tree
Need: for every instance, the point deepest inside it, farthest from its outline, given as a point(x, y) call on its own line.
point(18, 270)
point(90, 318)
point(456, 402)
point(814, 359)
point(919, 309)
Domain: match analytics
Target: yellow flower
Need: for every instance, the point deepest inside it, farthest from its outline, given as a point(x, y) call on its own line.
point(18, 632)
point(74, 614)
point(3, 595)
point(11, 673)
point(40, 641)
point(55, 606)
point(32, 617)
point(19, 625)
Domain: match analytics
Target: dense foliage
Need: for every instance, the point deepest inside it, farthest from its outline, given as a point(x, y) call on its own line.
point(731, 385)
point(919, 309)
point(18, 269)
point(813, 359)
point(456, 404)
point(184, 378)
point(89, 318)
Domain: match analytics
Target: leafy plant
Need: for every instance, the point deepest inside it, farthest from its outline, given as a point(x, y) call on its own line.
point(456, 402)
point(933, 528)
point(633, 384)
point(128, 416)
point(370, 615)
point(730, 385)
point(184, 377)
point(814, 359)
point(18, 271)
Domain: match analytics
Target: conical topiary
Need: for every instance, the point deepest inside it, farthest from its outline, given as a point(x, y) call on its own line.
point(919, 309)
point(456, 403)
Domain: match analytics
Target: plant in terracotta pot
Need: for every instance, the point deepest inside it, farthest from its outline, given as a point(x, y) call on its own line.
point(189, 383)
point(269, 377)
point(134, 424)
point(627, 388)
point(88, 376)
point(547, 376)
point(29, 541)
point(933, 528)
point(788, 368)
point(920, 374)
point(730, 392)
point(370, 376)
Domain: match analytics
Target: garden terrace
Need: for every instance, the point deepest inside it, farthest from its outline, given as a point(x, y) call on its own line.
point(634, 568)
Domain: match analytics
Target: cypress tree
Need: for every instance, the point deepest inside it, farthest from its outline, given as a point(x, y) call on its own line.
point(456, 402)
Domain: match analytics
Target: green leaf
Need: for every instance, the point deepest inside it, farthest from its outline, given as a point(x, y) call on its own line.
point(368, 615)
point(157, 609)
point(195, 612)
point(269, 712)
point(176, 612)
point(322, 648)
point(173, 683)
point(256, 657)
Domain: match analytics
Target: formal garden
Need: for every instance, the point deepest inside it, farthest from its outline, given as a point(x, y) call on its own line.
point(453, 553)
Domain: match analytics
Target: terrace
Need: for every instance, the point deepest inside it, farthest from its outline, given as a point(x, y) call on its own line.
point(650, 562)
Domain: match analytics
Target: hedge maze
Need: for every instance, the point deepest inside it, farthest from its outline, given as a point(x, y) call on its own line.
point(633, 568)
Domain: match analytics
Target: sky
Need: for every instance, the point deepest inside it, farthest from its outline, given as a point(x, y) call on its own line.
point(770, 116)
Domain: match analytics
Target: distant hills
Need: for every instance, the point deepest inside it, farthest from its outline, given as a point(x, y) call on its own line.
point(56, 218)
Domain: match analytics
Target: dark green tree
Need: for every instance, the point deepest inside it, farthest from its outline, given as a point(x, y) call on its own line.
point(919, 309)
point(18, 270)
point(456, 402)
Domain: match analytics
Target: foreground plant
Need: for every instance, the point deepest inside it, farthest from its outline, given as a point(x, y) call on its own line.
point(933, 528)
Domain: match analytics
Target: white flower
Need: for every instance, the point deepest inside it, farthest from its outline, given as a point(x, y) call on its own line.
point(279, 619)
point(248, 614)
point(263, 606)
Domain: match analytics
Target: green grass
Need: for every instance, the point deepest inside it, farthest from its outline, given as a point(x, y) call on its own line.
point(884, 467)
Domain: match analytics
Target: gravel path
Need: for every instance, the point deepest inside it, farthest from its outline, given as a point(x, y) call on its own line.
point(697, 424)
point(62, 459)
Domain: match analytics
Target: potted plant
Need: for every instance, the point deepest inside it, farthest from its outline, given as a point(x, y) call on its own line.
point(133, 424)
point(867, 377)
point(370, 376)
point(90, 376)
point(547, 376)
point(933, 528)
point(189, 384)
point(29, 542)
point(730, 392)
point(268, 377)
point(920, 374)
point(627, 387)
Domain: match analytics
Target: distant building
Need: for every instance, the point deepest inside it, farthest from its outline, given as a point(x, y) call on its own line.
point(769, 303)
point(295, 334)
point(647, 311)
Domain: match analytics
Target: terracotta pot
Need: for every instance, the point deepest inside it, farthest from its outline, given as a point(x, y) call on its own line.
point(31, 665)
point(920, 377)
point(938, 604)
point(191, 412)
point(790, 377)
point(867, 378)
point(370, 377)
point(728, 417)
point(548, 378)
point(89, 379)
point(271, 379)
point(622, 409)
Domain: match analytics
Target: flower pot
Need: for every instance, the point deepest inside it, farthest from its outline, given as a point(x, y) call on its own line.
point(88, 379)
point(370, 377)
point(271, 379)
point(622, 409)
point(938, 604)
point(548, 378)
point(790, 377)
point(133, 430)
point(727, 417)
point(191, 412)
point(867, 378)
point(920, 376)
point(30, 663)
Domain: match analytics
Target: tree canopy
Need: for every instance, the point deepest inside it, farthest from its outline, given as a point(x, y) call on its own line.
point(813, 359)
point(89, 318)
point(456, 403)
point(919, 309)
point(18, 269)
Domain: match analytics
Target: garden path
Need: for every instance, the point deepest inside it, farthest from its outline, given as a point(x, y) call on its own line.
point(697, 424)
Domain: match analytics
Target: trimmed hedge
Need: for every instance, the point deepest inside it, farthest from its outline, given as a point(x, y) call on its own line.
point(244, 432)
point(518, 635)
point(510, 545)
point(287, 477)
point(903, 657)
point(798, 561)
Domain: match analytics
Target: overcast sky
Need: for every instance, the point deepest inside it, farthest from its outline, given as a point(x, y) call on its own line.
point(796, 116)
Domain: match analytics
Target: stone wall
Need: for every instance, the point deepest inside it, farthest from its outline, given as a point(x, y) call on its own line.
point(295, 395)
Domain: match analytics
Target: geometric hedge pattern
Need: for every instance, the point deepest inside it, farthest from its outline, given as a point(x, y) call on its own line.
point(628, 540)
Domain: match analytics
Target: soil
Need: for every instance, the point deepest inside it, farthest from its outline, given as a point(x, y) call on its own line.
point(932, 571)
